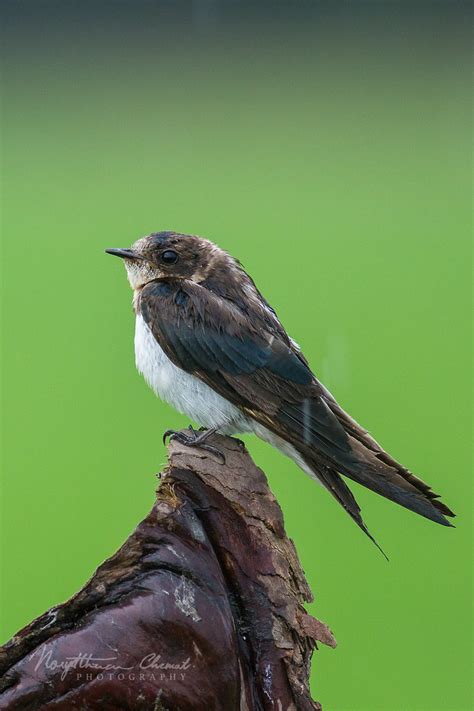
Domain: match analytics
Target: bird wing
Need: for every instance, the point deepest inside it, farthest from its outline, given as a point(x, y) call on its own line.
point(254, 369)
point(263, 374)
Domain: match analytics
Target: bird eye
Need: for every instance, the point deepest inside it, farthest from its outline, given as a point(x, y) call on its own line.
point(169, 256)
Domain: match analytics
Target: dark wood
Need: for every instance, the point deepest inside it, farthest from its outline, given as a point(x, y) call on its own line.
point(200, 609)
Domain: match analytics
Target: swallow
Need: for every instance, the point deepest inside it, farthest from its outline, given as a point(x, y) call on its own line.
point(209, 344)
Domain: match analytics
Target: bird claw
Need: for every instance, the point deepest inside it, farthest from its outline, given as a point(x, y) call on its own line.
point(168, 433)
point(194, 440)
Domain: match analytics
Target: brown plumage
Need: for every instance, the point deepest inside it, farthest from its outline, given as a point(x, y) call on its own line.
point(211, 322)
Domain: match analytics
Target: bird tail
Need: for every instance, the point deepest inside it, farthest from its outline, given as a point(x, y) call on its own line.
point(364, 461)
point(396, 483)
point(369, 464)
point(380, 473)
point(329, 443)
point(336, 485)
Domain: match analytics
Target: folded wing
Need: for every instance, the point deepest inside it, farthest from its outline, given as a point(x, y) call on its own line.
point(261, 372)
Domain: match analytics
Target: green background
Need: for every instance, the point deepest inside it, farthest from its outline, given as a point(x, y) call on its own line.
point(326, 145)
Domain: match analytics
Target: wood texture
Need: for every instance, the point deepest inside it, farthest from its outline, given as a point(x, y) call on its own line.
point(200, 609)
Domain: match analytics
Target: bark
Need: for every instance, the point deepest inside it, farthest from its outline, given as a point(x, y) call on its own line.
point(201, 608)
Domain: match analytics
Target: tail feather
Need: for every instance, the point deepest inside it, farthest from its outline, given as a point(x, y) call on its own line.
point(394, 483)
point(341, 492)
point(371, 466)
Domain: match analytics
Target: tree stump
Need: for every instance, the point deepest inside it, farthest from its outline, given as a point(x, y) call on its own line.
point(200, 609)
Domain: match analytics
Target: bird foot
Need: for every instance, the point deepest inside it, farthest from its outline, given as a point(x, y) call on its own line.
point(195, 439)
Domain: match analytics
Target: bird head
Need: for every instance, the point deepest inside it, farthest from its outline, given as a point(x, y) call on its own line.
point(169, 254)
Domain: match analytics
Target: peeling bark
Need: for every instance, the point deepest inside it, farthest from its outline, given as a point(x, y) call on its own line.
point(201, 608)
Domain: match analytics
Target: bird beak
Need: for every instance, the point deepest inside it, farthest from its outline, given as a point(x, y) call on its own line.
point(124, 253)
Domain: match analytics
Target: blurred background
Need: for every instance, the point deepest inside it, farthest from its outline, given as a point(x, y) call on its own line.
point(327, 146)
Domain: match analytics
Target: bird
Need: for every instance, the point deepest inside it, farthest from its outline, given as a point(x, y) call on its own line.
point(209, 344)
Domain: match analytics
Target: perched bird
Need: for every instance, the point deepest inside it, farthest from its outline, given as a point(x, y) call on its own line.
point(209, 344)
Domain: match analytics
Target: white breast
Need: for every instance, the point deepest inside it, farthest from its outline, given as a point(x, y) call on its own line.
point(183, 391)
point(198, 401)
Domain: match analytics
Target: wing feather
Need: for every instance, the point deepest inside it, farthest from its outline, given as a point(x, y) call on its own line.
point(265, 375)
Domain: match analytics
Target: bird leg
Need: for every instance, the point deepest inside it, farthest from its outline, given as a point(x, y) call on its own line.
point(196, 439)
